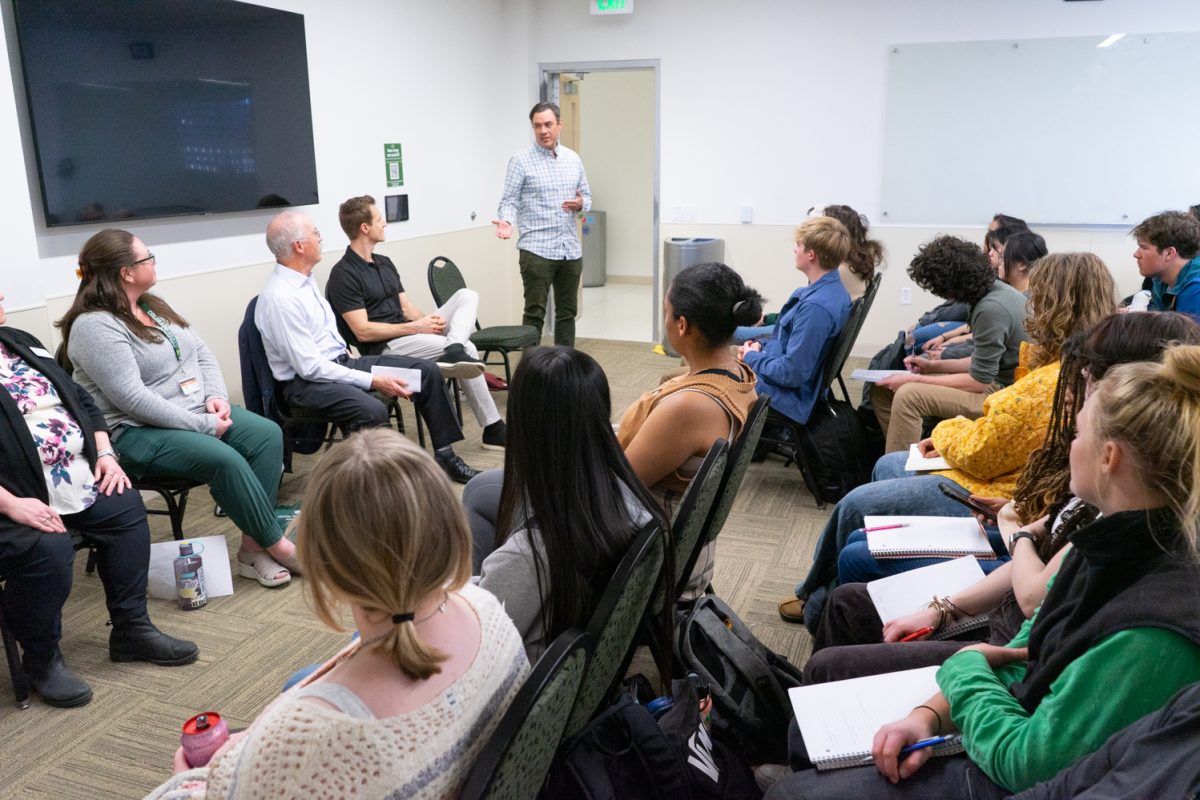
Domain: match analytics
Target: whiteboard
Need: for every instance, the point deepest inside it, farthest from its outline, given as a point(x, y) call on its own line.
point(1052, 130)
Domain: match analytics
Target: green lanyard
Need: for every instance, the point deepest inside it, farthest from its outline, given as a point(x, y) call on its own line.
point(164, 327)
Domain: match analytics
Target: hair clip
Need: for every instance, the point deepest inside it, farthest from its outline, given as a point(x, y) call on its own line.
point(398, 618)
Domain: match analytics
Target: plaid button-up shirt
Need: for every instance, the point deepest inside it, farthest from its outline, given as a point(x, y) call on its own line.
point(536, 185)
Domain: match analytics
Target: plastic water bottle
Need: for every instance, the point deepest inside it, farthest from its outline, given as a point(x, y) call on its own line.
point(189, 578)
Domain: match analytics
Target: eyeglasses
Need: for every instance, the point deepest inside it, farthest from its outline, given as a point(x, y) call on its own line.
point(144, 260)
point(316, 234)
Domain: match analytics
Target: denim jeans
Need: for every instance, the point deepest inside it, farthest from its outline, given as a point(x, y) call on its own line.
point(744, 333)
point(924, 333)
point(892, 491)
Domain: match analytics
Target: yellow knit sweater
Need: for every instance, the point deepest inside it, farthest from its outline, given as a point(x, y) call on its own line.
point(988, 453)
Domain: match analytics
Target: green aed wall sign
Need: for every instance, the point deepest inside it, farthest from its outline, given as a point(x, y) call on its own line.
point(394, 164)
point(612, 6)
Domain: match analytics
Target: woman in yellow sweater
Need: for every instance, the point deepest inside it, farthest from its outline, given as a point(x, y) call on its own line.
point(1067, 292)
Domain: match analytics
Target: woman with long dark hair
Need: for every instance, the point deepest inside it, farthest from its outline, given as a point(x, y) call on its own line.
point(162, 395)
point(570, 503)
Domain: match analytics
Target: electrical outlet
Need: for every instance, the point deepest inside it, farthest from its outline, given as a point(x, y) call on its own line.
point(906, 295)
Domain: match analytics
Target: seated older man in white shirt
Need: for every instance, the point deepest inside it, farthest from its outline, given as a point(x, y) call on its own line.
point(309, 358)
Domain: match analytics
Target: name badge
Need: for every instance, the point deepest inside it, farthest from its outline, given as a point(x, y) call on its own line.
point(37, 351)
point(189, 385)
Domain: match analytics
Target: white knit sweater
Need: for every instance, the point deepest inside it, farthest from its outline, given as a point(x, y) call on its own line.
point(298, 748)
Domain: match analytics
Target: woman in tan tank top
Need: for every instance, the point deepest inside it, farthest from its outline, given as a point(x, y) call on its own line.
point(668, 431)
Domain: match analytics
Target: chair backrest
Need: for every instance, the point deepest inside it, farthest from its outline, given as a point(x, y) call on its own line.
point(444, 279)
point(616, 619)
point(835, 361)
point(693, 510)
point(739, 460)
point(514, 762)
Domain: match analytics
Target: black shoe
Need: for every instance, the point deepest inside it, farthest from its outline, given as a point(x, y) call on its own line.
point(139, 640)
point(495, 435)
point(456, 362)
point(455, 468)
point(58, 686)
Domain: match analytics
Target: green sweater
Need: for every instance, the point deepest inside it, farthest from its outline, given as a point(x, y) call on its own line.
point(1124, 677)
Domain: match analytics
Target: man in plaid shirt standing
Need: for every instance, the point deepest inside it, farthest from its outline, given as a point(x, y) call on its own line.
point(544, 188)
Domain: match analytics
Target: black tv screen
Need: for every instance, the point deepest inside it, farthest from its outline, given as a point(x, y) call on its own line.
point(156, 108)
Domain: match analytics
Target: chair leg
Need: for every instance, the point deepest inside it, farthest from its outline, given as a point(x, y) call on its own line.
point(90, 569)
point(20, 685)
point(507, 367)
point(420, 427)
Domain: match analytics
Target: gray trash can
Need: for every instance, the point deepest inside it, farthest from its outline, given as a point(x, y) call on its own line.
point(595, 264)
point(681, 252)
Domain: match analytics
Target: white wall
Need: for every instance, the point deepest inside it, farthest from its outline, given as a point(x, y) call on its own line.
point(448, 80)
point(781, 105)
point(617, 147)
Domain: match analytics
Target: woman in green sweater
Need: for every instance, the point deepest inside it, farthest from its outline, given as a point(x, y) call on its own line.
point(1118, 633)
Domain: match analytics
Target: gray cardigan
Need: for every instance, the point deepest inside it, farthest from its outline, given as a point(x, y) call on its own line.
point(137, 383)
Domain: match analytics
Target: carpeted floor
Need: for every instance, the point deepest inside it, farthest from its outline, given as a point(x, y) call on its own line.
point(122, 743)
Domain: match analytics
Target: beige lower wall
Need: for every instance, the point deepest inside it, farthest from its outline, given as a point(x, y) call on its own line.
point(215, 302)
point(763, 256)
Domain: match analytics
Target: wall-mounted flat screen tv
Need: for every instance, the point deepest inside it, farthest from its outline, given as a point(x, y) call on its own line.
point(158, 108)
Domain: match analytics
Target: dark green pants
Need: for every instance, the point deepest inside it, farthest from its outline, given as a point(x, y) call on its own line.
point(539, 274)
point(242, 469)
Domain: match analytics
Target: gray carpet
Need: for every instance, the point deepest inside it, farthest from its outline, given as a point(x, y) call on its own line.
point(122, 743)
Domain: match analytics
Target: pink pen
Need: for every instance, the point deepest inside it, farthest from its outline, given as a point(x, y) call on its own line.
point(886, 527)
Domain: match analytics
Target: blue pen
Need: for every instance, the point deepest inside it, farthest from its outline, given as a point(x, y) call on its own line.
point(921, 745)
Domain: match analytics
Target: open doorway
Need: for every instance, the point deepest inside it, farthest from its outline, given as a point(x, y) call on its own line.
point(610, 113)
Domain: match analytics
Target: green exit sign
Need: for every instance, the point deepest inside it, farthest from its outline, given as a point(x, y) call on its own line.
point(612, 6)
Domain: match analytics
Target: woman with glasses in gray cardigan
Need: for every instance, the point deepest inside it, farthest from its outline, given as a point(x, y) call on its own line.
point(162, 394)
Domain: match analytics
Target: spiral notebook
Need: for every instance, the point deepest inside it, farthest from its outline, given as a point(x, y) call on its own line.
point(838, 720)
point(933, 537)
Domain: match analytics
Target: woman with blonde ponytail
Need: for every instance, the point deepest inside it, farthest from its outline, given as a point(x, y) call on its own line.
point(404, 709)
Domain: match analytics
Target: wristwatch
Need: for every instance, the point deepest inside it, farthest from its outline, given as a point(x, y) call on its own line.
point(108, 451)
point(1012, 544)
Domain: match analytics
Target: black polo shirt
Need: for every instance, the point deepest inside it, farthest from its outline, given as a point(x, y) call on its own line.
point(372, 285)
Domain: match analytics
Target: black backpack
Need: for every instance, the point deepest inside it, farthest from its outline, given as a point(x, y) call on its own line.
point(835, 451)
point(624, 752)
point(748, 682)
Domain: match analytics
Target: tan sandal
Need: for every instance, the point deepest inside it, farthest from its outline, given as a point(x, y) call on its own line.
point(291, 563)
point(263, 568)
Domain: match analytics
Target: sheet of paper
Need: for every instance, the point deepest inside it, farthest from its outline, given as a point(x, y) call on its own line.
point(874, 375)
point(919, 463)
point(410, 376)
point(218, 577)
point(898, 595)
point(840, 719)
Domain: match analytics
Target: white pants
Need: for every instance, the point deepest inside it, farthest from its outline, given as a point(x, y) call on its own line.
point(459, 312)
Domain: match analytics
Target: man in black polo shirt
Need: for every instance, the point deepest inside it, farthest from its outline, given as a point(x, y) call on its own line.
point(375, 314)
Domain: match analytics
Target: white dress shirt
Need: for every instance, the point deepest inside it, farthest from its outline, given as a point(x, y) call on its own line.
point(299, 331)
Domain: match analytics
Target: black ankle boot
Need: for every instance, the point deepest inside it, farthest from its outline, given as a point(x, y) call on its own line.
point(139, 640)
point(58, 686)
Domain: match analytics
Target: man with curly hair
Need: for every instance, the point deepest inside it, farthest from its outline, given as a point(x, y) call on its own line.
point(954, 269)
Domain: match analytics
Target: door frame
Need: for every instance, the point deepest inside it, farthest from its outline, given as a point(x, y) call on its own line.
point(548, 73)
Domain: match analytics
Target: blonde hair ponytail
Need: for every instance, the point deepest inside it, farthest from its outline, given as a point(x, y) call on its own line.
point(1155, 409)
point(381, 529)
